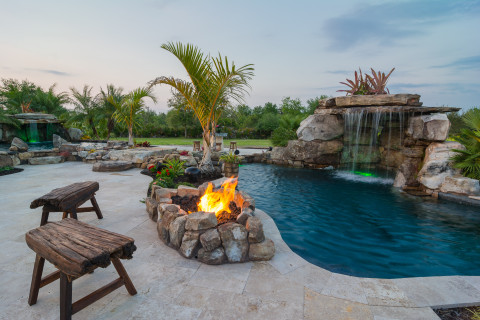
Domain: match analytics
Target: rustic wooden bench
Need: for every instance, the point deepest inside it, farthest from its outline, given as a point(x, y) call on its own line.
point(68, 200)
point(77, 248)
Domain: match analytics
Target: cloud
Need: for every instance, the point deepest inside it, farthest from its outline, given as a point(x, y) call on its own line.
point(389, 22)
point(463, 63)
point(54, 72)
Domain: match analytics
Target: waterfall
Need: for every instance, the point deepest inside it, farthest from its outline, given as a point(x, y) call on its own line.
point(32, 133)
point(371, 137)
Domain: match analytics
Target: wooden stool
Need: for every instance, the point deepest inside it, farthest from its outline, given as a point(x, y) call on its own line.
point(77, 248)
point(68, 200)
point(233, 145)
point(196, 145)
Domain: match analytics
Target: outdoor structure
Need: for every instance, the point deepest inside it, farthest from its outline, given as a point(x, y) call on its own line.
point(34, 127)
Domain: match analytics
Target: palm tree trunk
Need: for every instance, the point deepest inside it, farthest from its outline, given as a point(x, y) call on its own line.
point(110, 126)
point(206, 165)
point(130, 136)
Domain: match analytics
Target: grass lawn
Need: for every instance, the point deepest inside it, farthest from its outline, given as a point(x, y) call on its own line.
point(189, 142)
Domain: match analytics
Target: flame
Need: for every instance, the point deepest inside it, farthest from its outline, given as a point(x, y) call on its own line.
point(218, 201)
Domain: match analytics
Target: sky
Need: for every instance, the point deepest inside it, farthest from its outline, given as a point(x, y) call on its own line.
point(300, 49)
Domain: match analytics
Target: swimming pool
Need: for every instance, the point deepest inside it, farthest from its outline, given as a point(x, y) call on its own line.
point(362, 226)
point(32, 146)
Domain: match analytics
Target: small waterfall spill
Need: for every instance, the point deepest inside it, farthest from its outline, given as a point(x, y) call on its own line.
point(370, 138)
point(32, 133)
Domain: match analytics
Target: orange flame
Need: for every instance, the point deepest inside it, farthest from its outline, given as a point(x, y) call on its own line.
point(218, 201)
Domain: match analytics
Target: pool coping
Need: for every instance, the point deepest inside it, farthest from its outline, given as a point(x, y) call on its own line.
point(414, 292)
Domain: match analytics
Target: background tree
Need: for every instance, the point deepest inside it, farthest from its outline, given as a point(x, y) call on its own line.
point(180, 115)
point(213, 82)
point(87, 109)
point(129, 108)
point(107, 108)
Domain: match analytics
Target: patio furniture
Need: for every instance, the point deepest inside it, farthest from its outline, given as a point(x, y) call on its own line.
point(76, 248)
point(196, 145)
point(68, 200)
point(233, 145)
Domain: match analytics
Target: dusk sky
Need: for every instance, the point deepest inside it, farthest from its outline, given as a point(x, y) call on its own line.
point(300, 49)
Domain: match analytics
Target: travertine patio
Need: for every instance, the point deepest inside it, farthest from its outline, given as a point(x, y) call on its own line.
point(172, 287)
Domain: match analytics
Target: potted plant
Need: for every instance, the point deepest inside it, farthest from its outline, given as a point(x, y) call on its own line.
point(231, 164)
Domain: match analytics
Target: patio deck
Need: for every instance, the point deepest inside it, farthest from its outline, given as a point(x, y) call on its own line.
point(172, 287)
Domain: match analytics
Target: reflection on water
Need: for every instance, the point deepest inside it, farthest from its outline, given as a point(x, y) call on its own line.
point(362, 226)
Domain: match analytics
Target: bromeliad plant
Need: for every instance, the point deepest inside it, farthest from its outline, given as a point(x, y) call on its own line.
point(166, 176)
point(369, 85)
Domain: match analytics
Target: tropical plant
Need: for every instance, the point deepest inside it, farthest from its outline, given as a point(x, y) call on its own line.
point(86, 110)
point(107, 108)
point(16, 96)
point(377, 82)
point(213, 83)
point(368, 85)
point(50, 101)
point(468, 160)
point(129, 107)
point(166, 176)
point(7, 119)
point(230, 158)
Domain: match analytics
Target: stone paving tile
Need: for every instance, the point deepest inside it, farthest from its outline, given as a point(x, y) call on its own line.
point(400, 313)
point(251, 308)
point(318, 306)
point(473, 281)
point(345, 287)
point(229, 277)
point(310, 276)
point(439, 291)
point(383, 292)
point(266, 282)
point(286, 261)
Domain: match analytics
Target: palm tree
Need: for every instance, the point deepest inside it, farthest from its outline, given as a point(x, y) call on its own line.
point(468, 160)
point(86, 108)
point(108, 109)
point(50, 102)
point(129, 107)
point(213, 82)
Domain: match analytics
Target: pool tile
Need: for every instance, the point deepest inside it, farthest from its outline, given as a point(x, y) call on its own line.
point(318, 306)
point(400, 313)
point(265, 281)
point(383, 292)
point(345, 287)
point(439, 291)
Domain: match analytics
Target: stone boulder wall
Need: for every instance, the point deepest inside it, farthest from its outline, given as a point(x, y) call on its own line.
point(461, 185)
point(315, 152)
point(19, 145)
point(320, 127)
point(432, 127)
point(437, 164)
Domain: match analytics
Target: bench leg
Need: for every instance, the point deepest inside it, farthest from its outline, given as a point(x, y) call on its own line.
point(124, 276)
point(44, 220)
point(36, 279)
point(65, 297)
point(96, 207)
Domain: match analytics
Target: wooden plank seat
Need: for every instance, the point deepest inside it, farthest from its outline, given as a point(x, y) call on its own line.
point(68, 199)
point(76, 248)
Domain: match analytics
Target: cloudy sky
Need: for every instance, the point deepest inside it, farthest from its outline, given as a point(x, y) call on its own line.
point(300, 49)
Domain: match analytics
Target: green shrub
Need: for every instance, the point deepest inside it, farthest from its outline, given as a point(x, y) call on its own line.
point(468, 160)
point(281, 135)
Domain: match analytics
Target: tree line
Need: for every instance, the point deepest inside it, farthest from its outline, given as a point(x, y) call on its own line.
point(95, 113)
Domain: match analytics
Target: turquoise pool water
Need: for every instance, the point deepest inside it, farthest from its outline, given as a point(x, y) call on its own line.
point(32, 146)
point(362, 226)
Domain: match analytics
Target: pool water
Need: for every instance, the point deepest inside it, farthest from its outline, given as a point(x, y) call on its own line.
point(32, 146)
point(362, 226)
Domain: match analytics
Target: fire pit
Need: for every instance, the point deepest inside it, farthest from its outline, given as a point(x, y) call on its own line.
point(213, 225)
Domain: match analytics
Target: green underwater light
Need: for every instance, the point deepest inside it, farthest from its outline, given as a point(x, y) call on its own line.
point(365, 174)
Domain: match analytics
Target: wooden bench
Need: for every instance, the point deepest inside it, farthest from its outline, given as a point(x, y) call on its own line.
point(68, 200)
point(77, 248)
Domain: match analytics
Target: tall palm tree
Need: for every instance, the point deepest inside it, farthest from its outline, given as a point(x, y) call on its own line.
point(129, 107)
point(86, 108)
point(108, 109)
point(213, 82)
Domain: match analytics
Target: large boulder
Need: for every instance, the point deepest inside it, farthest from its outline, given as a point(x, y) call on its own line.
point(261, 251)
point(58, 141)
point(163, 225)
point(21, 145)
point(461, 185)
point(189, 161)
point(201, 221)
point(254, 227)
point(407, 172)
point(111, 166)
point(152, 209)
point(5, 160)
point(138, 155)
point(46, 160)
point(320, 127)
point(190, 244)
point(277, 153)
point(319, 152)
point(177, 231)
point(433, 127)
point(210, 240)
point(437, 164)
point(75, 134)
point(216, 256)
point(234, 240)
